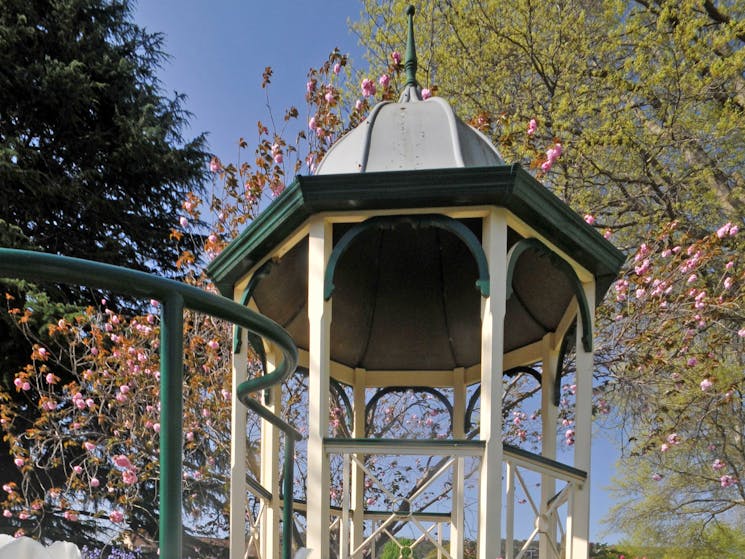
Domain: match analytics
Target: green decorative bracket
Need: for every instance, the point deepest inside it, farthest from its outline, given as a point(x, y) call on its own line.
point(416, 221)
point(584, 308)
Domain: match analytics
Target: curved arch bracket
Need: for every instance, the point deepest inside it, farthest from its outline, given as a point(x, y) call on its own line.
point(415, 221)
point(584, 308)
point(253, 283)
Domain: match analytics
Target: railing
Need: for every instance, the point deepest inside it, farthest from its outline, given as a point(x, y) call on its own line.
point(174, 297)
point(547, 520)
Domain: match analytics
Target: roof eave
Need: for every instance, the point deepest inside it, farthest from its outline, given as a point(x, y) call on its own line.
point(507, 186)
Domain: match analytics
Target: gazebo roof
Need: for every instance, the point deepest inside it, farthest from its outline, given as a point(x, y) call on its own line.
point(409, 135)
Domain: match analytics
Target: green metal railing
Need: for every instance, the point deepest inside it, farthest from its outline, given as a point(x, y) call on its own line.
point(174, 298)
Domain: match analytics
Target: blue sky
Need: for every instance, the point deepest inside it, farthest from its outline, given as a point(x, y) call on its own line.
point(218, 52)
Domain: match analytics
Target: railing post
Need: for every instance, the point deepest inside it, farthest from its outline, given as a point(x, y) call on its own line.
point(549, 418)
point(171, 419)
point(269, 468)
point(509, 536)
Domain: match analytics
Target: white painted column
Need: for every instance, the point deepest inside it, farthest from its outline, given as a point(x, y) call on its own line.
point(549, 418)
point(492, 352)
point(238, 486)
point(459, 482)
point(269, 477)
point(358, 474)
point(319, 315)
point(579, 537)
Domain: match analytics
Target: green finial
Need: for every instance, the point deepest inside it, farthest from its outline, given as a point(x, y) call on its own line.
point(410, 64)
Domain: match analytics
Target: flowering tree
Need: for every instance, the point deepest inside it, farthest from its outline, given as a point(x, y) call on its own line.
point(679, 319)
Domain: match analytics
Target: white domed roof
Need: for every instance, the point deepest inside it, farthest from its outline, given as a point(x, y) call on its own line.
point(408, 135)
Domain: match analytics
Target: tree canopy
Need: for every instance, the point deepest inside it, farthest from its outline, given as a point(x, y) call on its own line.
point(93, 163)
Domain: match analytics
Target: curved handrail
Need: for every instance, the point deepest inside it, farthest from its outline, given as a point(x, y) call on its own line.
point(39, 266)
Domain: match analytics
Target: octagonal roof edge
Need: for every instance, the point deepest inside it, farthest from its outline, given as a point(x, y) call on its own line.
point(507, 186)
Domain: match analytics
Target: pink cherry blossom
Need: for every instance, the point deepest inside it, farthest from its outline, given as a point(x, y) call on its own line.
point(123, 462)
point(589, 219)
point(116, 516)
point(426, 93)
point(358, 105)
point(70, 515)
point(718, 465)
point(19, 462)
point(724, 230)
point(706, 384)
point(213, 344)
point(664, 447)
point(89, 446)
point(50, 378)
point(7, 513)
point(183, 221)
point(727, 480)
point(94, 482)
point(310, 86)
point(23, 515)
point(156, 427)
point(741, 332)
point(337, 68)
point(215, 165)
point(532, 127)
point(396, 56)
point(384, 80)
point(26, 386)
point(368, 88)
point(43, 352)
point(49, 405)
point(312, 123)
point(77, 469)
point(129, 477)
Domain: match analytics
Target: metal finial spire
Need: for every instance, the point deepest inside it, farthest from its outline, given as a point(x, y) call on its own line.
point(410, 64)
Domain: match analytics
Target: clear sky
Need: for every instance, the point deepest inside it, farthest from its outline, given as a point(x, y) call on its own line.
point(219, 50)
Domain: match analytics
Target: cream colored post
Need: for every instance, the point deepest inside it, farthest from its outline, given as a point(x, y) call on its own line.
point(459, 484)
point(492, 350)
point(238, 486)
point(358, 475)
point(549, 418)
point(319, 315)
point(509, 528)
point(578, 539)
point(270, 469)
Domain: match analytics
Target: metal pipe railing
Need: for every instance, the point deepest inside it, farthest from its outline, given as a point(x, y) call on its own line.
point(174, 296)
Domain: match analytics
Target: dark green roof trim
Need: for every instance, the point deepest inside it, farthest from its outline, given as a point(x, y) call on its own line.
point(417, 220)
point(506, 186)
point(584, 308)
